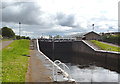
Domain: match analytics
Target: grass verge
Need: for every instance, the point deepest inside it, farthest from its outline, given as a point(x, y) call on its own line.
point(106, 46)
point(14, 64)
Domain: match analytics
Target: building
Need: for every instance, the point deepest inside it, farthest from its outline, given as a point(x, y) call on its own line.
point(92, 36)
point(78, 38)
point(86, 36)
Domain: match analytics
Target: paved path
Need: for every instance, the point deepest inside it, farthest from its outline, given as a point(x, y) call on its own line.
point(110, 44)
point(37, 72)
point(4, 44)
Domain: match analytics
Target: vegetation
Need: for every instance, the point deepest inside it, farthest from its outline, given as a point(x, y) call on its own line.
point(0, 36)
point(57, 36)
point(14, 64)
point(7, 32)
point(106, 46)
point(22, 37)
point(115, 39)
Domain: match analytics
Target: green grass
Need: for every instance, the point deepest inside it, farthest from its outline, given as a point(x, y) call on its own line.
point(14, 64)
point(106, 46)
point(0, 66)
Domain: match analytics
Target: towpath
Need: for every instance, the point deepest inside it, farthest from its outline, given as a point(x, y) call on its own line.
point(4, 44)
point(37, 72)
point(110, 44)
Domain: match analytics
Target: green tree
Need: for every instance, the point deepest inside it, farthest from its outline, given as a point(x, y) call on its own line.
point(23, 37)
point(27, 38)
point(115, 39)
point(17, 37)
point(7, 32)
point(57, 36)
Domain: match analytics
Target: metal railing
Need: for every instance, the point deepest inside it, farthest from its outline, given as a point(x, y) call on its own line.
point(66, 76)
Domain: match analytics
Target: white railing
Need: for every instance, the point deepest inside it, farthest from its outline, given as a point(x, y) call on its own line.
point(66, 76)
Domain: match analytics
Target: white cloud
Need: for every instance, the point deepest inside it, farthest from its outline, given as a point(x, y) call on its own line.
point(61, 16)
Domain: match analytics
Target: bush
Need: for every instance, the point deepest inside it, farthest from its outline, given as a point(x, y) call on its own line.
point(115, 39)
point(22, 37)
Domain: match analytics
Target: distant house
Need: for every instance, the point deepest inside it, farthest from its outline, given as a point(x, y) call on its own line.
point(86, 36)
point(78, 38)
point(92, 36)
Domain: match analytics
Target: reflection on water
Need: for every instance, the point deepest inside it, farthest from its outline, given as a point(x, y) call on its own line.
point(92, 74)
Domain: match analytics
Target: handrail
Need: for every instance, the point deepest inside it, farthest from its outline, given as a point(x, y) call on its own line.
point(68, 77)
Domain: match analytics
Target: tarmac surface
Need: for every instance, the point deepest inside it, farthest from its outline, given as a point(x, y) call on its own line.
point(110, 44)
point(4, 44)
point(37, 72)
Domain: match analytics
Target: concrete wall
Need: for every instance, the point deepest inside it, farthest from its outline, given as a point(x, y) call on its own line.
point(80, 53)
point(100, 58)
point(62, 50)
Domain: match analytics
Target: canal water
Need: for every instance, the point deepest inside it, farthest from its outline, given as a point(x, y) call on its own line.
point(92, 73)
point(82, 67)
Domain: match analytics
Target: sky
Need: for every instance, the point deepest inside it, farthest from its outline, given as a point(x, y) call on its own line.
point(59, 17)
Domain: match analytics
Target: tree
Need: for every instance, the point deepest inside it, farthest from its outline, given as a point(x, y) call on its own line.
point(57, 36)
point(115, 39)
point(22, 37)
point(27, 38)
point(7, 32)
point(17, 37)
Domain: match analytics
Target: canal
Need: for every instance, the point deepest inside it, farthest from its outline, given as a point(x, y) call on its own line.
point(83, 67)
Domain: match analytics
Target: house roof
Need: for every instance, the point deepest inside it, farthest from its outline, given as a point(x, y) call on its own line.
point(91, 32)
point(82, 35)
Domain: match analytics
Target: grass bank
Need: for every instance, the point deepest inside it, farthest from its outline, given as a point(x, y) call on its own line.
point(14, 64)
point(106, 46)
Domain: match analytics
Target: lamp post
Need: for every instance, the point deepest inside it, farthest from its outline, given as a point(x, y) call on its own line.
point(93, 26)
point(19, 28)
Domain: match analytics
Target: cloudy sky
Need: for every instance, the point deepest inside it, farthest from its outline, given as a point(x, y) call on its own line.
point(63, 17)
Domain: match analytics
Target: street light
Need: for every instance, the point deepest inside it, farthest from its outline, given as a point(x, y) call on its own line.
point(93, 26)
point(19, 28)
